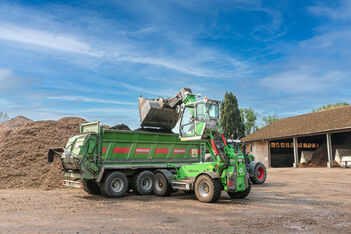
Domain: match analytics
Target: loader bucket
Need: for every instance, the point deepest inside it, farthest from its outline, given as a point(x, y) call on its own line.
point(54, 152)
point(153, 113)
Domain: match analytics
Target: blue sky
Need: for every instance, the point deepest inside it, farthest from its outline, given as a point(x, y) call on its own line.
point(68, 58)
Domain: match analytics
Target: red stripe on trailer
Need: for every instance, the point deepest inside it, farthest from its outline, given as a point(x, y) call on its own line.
point(224, 140)
point(214, 147)
point(179, 151)
point(104, 149)
point(121, 150)
point(161, 151)
point(142, 150)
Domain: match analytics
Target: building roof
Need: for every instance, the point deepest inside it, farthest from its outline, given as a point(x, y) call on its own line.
point(314, 123)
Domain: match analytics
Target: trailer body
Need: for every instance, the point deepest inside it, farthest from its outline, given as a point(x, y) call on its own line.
point(95, 151)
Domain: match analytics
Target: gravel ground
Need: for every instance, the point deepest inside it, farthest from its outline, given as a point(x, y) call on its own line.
point(303, 200)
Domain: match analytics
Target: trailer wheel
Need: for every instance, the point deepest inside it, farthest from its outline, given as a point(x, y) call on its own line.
point(207, 189)
point(91, 187)
point(161, 186)
point(115, 184)
point(259, 174)
point(242, 194)
point(142, 183)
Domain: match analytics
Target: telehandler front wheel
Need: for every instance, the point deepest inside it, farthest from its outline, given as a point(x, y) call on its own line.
point(161, 186)
point(115, 185)
point(207, 189)
point(242, 194)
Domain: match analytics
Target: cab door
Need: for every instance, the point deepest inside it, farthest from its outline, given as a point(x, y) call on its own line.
point(193, 122)
point(187, 123)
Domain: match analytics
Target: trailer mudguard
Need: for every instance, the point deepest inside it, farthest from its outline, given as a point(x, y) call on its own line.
point(167, 174)
point(101, 174)
point(54, 152)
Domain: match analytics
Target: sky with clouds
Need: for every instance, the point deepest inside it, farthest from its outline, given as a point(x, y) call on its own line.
point(94, 59)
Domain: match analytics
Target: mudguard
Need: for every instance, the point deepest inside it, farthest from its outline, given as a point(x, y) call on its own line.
point(54, 152)
point(167, 174)
point(252, 167)
point(211, 174)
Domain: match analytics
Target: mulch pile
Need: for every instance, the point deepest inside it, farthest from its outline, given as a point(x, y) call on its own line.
point(7, 127)
point(320, 157)
point(23, 149)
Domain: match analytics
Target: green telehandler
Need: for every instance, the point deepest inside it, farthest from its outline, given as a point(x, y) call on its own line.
point(199, 121)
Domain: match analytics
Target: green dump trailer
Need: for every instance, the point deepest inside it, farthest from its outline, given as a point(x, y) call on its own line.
point(96, 152)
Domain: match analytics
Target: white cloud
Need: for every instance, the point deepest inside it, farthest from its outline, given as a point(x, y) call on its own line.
point(9, 81)
point(4, 103)
point(87, 99)
point(301, 80)
point(4, 74)
point(46, 39)
point(109, 110)
point(342, 12)
point(191, 60)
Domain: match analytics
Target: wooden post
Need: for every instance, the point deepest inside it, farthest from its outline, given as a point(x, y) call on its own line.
point(330, 151)
point(296, 152)
point(269, 154)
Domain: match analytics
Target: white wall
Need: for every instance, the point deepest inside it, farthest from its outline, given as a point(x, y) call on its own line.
point(260, 150)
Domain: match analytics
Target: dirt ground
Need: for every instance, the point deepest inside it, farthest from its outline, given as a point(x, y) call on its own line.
point(303, 200)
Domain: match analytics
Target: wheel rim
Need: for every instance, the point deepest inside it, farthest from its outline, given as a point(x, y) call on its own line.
point(260, 173)
point(147, 183)
point(204, 189)
point(159, 184)
point(117, 185)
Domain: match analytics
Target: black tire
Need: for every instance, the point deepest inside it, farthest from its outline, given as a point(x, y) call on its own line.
point(91, 187)
point(161, 186)
point(142, 183)
point(207, 189)
point(242, 194)
point(260, 174)
point(115, 185)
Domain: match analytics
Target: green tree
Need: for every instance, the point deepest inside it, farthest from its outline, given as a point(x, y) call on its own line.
point(269, 119)
point(249, 117)
point(3, 117)
point(331, 106)
point(231, 122)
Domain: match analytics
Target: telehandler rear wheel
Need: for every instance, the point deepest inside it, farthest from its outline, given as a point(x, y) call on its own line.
point(91, 187)
point(161, 186)
point(142, 183)
point(242, 194)
point(207, 189)
point(115, 185)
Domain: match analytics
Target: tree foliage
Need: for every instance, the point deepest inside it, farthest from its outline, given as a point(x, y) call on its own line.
point(267, 120)
point(231, 122)
point(331, 106)
point(249, 117)
point(3, 117)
